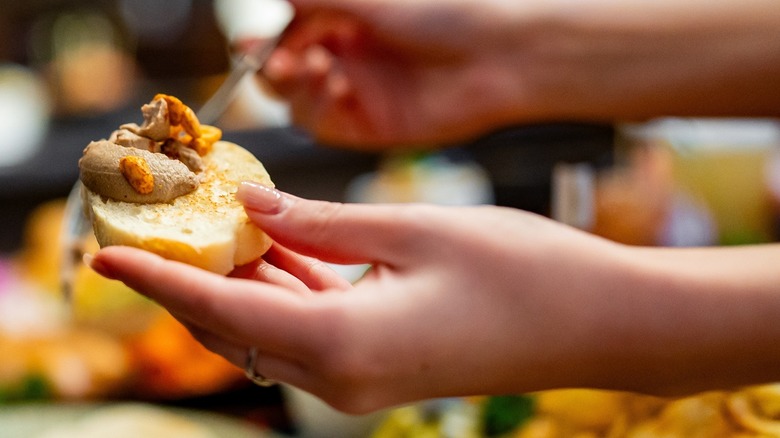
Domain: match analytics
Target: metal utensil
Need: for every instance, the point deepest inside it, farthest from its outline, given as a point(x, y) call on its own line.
point(249, 63)
point(76, 228)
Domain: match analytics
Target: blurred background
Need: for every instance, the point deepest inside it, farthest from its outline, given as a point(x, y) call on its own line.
point(71, 71)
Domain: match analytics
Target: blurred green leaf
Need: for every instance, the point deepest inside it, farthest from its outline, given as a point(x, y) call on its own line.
point(503, 414)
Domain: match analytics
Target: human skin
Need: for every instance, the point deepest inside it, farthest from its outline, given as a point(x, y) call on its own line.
point(384, 73)
point(464, 301)
point(489, 300)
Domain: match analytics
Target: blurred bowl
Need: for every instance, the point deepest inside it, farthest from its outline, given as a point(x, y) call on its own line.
point(24, 114)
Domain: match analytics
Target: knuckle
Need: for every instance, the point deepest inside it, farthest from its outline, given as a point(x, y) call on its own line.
point(323, 216)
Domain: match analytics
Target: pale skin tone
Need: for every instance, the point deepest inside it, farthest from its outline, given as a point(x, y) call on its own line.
point(470, 301)
point(487, 300)
point(382, 72)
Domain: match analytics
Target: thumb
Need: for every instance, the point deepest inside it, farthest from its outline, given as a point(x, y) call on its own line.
point(331, 231)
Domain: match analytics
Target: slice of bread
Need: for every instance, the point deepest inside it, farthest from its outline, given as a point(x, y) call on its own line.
point(207, 228)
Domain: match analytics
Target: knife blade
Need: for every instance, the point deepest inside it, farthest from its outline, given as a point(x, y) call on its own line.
point(249, 63)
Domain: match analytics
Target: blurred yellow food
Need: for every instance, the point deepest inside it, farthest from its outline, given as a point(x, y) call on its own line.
point(73, 364)
point(587, 413)
point(602, 407)
point(115, 341)
point(733, 184)
point(39, 257)
point(104, 304)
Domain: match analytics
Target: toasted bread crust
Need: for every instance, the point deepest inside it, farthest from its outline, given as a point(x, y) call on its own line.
point(207, 228)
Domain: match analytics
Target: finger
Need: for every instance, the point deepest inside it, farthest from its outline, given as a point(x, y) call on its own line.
point(322, 76)
point(304, 8)
point(332, 28)
point(335, 232)
point(271, 367)
point(315, 274)
point(298, 71)
point(304, 56)
point(213, 343)
point(246, 312)
point(311, 92)
point(284, 71)
point(313, 83)
point(261, 270)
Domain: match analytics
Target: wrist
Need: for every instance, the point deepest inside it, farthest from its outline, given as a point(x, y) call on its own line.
point(691, 320)
point(608, 60)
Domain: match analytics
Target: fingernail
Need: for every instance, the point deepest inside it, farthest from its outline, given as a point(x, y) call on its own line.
point(261, 198)
point(96, 266)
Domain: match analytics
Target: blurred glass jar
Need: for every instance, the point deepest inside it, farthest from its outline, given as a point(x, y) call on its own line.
point(724, 164)
point(24, 114)
point(629, 201)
